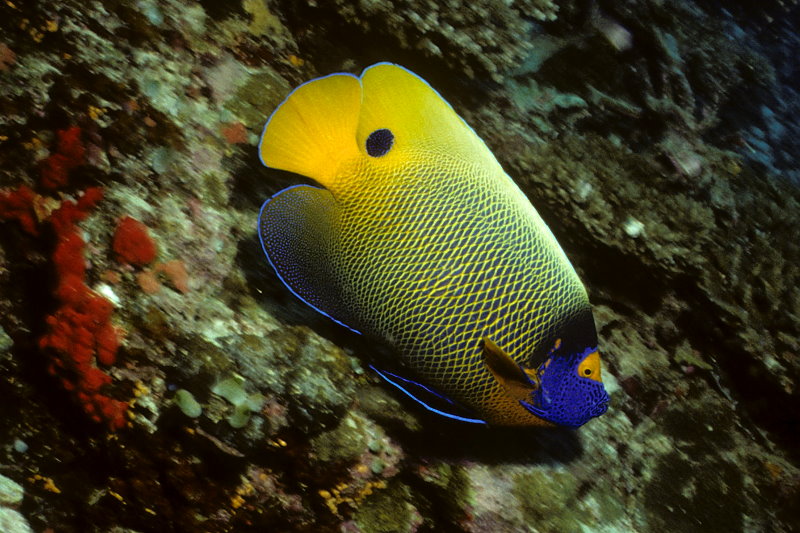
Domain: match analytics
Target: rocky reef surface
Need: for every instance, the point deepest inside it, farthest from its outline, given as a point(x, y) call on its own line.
point(156, 376)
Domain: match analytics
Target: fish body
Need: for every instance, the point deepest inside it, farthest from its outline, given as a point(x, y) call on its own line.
point(418, 236)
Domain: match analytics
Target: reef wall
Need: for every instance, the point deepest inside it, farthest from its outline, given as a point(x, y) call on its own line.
point(157, 376)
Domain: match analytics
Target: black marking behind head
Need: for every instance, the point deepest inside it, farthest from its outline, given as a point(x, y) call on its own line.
point(380, 142)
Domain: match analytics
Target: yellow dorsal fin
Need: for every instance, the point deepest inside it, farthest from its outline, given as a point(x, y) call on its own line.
point(326, 122)
point(314, 128)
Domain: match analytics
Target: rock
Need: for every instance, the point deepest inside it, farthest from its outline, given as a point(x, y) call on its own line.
point(12, 521)
point(11, 492)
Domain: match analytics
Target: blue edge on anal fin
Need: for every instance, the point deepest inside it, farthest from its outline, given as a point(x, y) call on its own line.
point(390, 379)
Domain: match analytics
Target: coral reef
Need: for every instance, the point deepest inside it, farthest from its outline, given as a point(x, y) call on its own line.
point(68, 155)
point(80, 333)
point(481, 38)
point(656, 139)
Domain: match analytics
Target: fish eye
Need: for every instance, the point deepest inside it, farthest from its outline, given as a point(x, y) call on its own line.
point(589, 368)
point(380, 142)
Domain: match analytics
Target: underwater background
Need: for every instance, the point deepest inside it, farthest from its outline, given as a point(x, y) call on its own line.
point(156, 375)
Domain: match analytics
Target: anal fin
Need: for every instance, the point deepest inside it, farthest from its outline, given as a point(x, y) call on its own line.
point(417, 391)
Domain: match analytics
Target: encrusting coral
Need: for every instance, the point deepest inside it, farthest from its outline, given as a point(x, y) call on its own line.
point(79, 333)
point(132, 243)
point(483, 37)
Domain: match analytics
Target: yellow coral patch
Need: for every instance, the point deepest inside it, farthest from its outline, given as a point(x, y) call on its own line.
point(346, 494)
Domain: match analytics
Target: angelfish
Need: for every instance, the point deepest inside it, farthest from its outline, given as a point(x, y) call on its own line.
point(419, 237)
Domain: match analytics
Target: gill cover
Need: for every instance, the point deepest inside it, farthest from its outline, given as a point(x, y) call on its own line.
point(571, 390)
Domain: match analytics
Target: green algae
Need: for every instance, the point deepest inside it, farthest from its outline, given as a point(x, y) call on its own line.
point(187, 404)
point(686, 496)
point(388, 511)
point(232, 389)
point(244, 404)
point(547, 498)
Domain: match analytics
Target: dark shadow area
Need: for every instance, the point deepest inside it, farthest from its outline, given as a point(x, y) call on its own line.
point(761, 398)
point(255, 183)
point(758, 14)
point(332, 41)
point(607, 271)
point(450, 440)
point(221, 10)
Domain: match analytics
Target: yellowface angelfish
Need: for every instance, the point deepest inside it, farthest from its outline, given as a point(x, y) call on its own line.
point(418, 236)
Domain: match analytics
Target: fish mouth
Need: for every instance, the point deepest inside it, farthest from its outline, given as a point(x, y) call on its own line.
point(599, 408)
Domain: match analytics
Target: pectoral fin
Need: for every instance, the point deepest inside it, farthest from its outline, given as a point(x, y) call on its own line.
point(515, 380)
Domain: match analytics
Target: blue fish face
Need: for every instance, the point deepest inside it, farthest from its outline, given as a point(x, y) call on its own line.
point(570, 391)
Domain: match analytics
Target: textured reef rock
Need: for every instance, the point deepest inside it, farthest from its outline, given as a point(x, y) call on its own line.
point(658, 140)
point(479, 38)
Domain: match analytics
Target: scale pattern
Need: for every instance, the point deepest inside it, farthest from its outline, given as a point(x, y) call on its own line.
point(432, 259)
point(418, 236)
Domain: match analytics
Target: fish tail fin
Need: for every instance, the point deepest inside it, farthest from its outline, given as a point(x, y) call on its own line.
point(314, 128)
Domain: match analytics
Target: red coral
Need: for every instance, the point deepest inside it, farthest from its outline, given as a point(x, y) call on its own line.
point(70, 145)
point(70, 213)
point(7, 57)
point(54, 172)
point(107, 344)
point(234, 133)
point(18, 205)
point(132, 243)
point(68, 155)
point(80, 333)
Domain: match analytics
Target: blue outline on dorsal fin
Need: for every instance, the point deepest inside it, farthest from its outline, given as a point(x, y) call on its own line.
point(277, 272)
point(385, 376)
point(288, 96)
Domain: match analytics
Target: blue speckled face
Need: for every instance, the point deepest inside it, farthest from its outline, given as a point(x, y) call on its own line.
point(566, 396)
